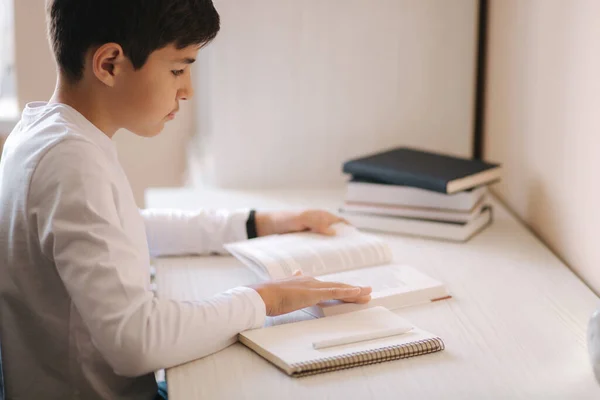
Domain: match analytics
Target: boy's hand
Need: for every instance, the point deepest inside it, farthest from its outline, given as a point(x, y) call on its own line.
point(291, 294)
point(318, 221)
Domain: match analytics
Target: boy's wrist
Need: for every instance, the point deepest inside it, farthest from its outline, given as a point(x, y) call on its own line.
point(265, 225)
point(279, 222)
point(265, 294)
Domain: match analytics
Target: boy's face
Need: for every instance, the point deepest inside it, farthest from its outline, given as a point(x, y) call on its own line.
point(146, 99)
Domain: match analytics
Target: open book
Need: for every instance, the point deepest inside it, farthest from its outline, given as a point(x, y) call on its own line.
point(344, 341)
point(350, 257)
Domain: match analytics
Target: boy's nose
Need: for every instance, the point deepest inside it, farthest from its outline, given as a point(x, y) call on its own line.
point(186, 93)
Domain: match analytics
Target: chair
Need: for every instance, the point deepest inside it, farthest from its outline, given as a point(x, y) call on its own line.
point(1, 376)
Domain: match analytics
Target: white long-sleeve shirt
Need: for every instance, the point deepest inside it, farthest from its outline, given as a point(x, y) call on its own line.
point(77, 316)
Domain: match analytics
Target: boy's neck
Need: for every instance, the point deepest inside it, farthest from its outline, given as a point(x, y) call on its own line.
point(81, 98)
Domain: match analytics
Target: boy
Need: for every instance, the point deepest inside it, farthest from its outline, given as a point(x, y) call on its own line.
point(77, 318)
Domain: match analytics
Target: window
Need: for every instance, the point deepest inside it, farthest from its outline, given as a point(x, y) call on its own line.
point(8, 101)
point(6, 49)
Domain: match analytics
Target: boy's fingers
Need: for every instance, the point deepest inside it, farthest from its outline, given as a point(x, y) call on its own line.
point(328, 284)
point(325, 229)
point(358, 300)
point(328, 231)
point(344, 220)
point(364, 290)
point(337, 293)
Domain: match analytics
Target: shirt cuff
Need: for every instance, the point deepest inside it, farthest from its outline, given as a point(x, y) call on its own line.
point(260, 310)
point(238, 221)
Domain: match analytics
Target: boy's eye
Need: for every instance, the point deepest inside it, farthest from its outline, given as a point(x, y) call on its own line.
point(178, 72)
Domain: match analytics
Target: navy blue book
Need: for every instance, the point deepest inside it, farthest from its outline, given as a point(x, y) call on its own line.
point(423, 169)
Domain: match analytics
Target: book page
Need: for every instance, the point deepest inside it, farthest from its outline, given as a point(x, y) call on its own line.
point(279, 256)
point(385, 279)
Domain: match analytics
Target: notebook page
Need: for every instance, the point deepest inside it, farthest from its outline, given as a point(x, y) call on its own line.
point(293, 343)
point(279, 256)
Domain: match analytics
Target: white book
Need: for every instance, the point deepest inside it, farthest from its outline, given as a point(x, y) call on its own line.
point(451, 231)
point(394, 286)
point(350, 257)
point(344, 341)
point(377, 193)
point(415, 212)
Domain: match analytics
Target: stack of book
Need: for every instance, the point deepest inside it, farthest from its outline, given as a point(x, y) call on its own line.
point(419, 193)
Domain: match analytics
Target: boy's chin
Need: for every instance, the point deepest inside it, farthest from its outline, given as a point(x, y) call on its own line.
point(149, 132)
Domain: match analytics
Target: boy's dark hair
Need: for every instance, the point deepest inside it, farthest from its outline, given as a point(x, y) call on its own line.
point(139, 26)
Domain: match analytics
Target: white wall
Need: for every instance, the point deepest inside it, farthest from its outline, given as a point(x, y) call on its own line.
point(155, 162)
point(543, 121)
point(290, 89)
point(300, 86)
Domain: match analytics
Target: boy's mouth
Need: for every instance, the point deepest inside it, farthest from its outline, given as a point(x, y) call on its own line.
point(172, 114)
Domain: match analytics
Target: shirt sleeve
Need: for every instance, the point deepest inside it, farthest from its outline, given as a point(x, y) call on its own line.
point(178, 232)
point(72, 206)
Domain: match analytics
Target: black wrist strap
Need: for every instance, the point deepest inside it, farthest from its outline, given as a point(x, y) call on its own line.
point(251, 225)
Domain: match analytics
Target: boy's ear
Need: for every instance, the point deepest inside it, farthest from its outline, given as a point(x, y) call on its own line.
point(108, 61)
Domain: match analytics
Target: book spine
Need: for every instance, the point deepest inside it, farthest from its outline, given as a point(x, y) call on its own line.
point(361, 171)
point(363, 192)
point(421, 228)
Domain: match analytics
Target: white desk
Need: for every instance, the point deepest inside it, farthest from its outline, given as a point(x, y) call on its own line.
point(515, 329)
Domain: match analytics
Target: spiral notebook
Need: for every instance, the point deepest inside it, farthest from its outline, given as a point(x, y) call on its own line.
point(343, 341)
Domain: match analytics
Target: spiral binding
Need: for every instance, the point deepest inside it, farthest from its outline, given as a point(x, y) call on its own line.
point(368, 357)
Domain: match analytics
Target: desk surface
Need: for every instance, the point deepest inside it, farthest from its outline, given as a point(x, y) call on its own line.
point(516, 327)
